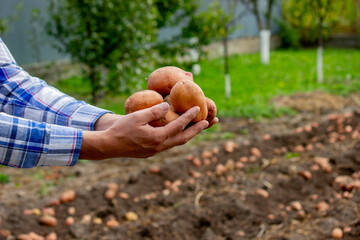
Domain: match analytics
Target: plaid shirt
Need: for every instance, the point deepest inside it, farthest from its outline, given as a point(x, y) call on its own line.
point(40, 126)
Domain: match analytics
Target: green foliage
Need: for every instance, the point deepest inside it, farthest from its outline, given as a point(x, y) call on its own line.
point(111, 38)
point(290, 37)
point(10, 18)
point(303, 18)
point(2, 26)
point(198, 29)
point(292, 155)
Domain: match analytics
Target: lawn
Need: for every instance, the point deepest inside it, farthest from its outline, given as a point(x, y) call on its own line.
point(253, 84)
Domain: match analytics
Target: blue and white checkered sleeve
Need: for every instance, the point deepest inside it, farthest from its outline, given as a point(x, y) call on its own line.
point(25, 143)
point(29, 97)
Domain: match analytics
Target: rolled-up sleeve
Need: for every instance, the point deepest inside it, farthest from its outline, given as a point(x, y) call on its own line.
point(29, 97)
point(25, 143)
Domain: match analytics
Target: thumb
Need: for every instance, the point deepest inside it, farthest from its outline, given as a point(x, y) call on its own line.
point(154, 113)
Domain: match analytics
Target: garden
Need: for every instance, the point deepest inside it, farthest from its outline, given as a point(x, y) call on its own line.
point(282, 163)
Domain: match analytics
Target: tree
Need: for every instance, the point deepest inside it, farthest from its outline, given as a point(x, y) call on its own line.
point(264, 28)
point(199, 26)
point(110, 38)
point(230, 21)
point(321, 10)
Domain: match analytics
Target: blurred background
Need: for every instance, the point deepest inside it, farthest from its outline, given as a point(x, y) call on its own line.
point(242, 52)
point(283, 162)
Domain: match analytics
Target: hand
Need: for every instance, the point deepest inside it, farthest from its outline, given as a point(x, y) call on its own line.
point(132, 136)
point(106, 121)
point(214, 121)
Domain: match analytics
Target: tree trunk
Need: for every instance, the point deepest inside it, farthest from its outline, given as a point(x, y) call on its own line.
point(319, 57)
point(265, 35)
point(226, 68)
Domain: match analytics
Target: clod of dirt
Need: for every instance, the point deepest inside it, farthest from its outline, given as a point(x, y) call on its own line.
point(209, 235)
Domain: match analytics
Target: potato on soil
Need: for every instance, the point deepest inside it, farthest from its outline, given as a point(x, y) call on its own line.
point(211, 106)
point(187, 94)
point(163, 79)
point(141, 100)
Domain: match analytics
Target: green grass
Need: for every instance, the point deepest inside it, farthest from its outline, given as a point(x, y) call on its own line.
point(4, 178)
point(253, 84)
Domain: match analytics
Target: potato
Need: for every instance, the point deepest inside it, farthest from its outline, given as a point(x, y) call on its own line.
point(67, 196)
point(187, 94)
point(48, 220)
point(141, 100)
point(169, 117)
point(167, 99)
point(163, 79)
point(211, 106)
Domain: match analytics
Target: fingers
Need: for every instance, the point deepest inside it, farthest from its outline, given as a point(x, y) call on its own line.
point(186, 135)
point(214, 121)
point(179, 124)
point(151, 114)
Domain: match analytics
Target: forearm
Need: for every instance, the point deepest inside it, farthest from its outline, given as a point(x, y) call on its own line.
point(29, 97)
point(28, 143)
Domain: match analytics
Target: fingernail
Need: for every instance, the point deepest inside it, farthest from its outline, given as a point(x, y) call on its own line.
point(164, 106)
point(197, 109)
point(206, 124)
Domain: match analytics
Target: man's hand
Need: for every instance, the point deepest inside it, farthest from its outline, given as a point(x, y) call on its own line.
point(132, 136)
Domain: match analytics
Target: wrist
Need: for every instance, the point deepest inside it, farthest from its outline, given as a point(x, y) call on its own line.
point(105, 121)
point(93, 145)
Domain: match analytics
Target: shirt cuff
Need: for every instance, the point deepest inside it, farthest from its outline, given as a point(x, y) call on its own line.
point(85, 116)
point(63, 147)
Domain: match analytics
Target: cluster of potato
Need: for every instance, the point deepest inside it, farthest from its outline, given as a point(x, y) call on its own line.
point(176, 87)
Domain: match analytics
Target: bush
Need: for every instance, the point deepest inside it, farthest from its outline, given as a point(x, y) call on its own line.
point(290, 37)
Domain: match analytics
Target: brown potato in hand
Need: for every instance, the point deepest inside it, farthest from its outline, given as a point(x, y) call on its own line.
point(169, 117)
point(187, 94)
point(211, 106)
point(141, 100)
point(163, 79)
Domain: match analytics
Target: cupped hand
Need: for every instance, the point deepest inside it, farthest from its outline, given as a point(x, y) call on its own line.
point(132, 136)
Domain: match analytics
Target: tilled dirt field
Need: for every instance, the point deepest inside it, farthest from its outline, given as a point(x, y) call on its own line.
point(291, 178)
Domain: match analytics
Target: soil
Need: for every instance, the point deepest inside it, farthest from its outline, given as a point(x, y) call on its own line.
point(287, 178)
